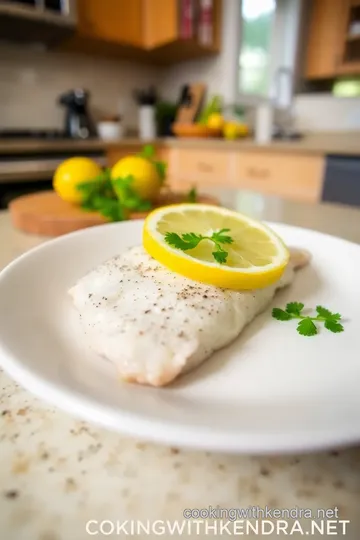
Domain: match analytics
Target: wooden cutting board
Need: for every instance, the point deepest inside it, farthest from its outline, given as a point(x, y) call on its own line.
point(46, 214)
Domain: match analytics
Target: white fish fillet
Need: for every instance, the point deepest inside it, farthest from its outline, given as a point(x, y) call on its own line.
point(154, 324)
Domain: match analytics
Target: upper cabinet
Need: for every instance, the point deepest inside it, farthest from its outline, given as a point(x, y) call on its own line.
point(158, 31)
point(333, 39)
point(324, 39)
point(113, 21)
point(350, 51)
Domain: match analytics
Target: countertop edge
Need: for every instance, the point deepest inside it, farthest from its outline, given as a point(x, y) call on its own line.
point(346, 143)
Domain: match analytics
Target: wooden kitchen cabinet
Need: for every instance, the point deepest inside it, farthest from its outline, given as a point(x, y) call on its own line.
point(333, 49)
point(287, 176)
point(197, 167)
point(147, 30)
point(115, 21)
point(325, 38)
point(350, 52)
point(293, 176)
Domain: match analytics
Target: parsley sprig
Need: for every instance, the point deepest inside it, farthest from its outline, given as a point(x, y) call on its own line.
point(112, 198)
point(116, 198)
point(127, 196)
point(306, 325)
point(99, 196)
point(191, 240)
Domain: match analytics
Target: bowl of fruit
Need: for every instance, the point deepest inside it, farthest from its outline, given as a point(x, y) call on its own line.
point(212, 122)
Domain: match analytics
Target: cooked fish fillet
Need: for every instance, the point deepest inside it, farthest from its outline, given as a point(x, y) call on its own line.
point(154, 324)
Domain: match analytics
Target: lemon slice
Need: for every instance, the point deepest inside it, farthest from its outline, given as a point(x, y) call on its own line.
point(256, 258)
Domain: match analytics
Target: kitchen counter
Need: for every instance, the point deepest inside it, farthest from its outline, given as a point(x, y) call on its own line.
point(312, 143)
point(57, 473)
point(33, 146)
point(344, 143)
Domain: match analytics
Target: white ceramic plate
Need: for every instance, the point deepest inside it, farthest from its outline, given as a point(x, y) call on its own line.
point(270, 391)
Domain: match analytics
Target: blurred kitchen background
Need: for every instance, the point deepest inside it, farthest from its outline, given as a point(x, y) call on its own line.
point(101, 78)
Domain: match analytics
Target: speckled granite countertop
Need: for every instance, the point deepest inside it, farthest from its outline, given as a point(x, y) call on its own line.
point(58, 473)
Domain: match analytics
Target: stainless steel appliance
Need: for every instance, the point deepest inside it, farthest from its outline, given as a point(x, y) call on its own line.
point(37, 21)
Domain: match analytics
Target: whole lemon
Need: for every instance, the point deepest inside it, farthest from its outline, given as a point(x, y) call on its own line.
point(230, 131)
point(70, 173)
point(215, 121)
point(146, 181)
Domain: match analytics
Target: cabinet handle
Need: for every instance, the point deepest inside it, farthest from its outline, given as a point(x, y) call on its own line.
point(258, 173)
point(204, 167)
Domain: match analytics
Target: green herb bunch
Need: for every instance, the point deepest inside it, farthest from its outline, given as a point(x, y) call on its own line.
point(115, 198)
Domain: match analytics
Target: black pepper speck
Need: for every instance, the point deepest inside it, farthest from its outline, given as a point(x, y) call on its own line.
point(11, 494)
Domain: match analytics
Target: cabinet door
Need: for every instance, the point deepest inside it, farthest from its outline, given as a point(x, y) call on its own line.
point(325, 40)
point(198, 167)
point(160, 22)
point(114, 21)
point(288, 176)
point(351, 43)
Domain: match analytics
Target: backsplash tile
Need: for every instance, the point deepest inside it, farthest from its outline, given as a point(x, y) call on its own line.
point(31, 80)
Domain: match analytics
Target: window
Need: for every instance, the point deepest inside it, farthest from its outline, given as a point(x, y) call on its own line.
point(347, 87)
point(269, 33)
point(256, 33)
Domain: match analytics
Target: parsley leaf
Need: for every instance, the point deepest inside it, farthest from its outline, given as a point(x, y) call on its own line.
point(127, 195)
point(112, 199)
point(323, 312)
point(220, 256)
point(281, 315)
point(99, 196)
point(221, 237)
point(306, 327)
point(148, 151)
point(191, 240)
point(192, 195)
point(295, 308)
point(326, 314)
point(333, 326)
point(182, 243)
point(112, 210)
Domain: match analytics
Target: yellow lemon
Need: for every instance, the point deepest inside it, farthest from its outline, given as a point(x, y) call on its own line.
point(146, 181)
point(70, 173)
point(230, 131)
point(242, 130)
point(215, 121)
point(233, 130)
point(255, 256)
